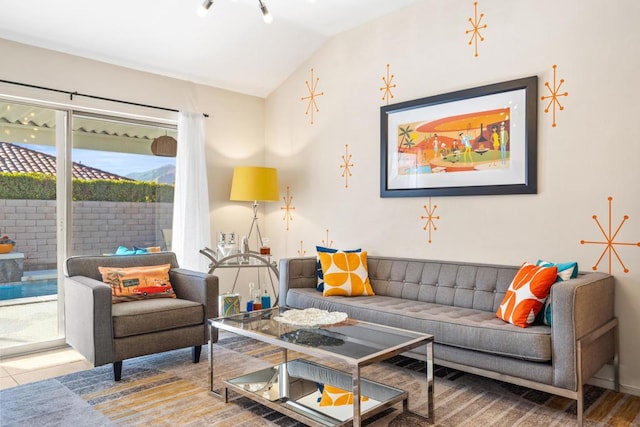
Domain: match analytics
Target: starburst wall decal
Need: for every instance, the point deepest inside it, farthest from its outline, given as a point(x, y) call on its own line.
point(554, 101)
point(475, 31)
point(610, 243)
point(387, 86)
point(287, 208)
point(327, 243)
point(301, 252)
point(312, 105)
point(346, 165)
point(430, 224)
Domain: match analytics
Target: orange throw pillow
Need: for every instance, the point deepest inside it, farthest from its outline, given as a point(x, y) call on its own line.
point(135, 283)
point(526, 294)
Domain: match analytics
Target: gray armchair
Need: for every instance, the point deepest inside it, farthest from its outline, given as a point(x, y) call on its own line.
point(110, 333)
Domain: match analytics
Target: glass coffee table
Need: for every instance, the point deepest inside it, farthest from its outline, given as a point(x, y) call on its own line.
point(297, 388)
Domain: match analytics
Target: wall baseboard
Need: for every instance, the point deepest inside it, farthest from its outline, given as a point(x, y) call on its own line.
point(607, 382)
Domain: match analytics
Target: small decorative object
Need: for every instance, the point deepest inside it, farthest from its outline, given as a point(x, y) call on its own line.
point(265, 300)
point(245, 249)
point(227, 244)
point(265, 249)
point(311, 317)
point(6, 245)
point(229, 304)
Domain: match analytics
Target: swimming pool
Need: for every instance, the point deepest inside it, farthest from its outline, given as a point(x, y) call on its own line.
point(34, 288)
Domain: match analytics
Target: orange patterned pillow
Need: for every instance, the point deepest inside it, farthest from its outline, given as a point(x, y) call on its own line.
point(345, 273)
point(135, 283)
point(526, 294)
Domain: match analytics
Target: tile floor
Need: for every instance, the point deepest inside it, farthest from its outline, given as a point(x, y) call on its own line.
point(25, 369)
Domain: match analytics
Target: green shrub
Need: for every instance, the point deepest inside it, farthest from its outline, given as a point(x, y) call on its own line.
point(39, 186)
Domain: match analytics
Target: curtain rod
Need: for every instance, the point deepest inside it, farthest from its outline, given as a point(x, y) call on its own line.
point(76, 93)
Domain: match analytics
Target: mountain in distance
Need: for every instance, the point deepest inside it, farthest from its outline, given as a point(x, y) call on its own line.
point(163, 175)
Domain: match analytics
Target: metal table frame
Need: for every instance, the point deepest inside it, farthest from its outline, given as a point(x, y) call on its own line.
point(355, 364)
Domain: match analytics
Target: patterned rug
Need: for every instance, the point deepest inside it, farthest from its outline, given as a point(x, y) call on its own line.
point(168, 390)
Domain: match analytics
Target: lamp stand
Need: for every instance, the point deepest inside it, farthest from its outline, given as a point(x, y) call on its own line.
point(255, 222)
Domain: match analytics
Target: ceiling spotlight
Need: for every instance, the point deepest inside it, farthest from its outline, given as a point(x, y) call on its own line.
point(204, 8)
point(265, 12)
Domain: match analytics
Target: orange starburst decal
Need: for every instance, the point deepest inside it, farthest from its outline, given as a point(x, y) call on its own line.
point(610, 243)
point(430, 224)
point(287, 208)
point(327, 243)
point(387, 86)
point(346, 165)
point(301, 252)
point(475, 31)
point(312, 105)
point(555, 93)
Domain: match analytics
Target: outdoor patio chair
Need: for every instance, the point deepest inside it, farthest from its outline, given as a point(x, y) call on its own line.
point(104, 332)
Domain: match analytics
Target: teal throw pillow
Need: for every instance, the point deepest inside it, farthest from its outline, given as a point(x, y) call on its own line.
point(566, 271)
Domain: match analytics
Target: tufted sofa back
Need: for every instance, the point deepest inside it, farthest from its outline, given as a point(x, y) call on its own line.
point(481, 287)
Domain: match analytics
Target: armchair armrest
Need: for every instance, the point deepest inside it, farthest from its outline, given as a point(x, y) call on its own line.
point(88, 325)
point(198, 287)
point(579, 307)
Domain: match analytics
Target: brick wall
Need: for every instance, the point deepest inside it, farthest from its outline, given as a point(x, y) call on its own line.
point(97, 228)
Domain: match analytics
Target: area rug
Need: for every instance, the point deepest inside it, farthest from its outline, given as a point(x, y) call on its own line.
point(168, 390)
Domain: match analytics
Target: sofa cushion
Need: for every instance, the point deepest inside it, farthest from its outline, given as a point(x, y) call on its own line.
point(526, 294)
point(345, 274)
point(153, 315)
point(455, 326)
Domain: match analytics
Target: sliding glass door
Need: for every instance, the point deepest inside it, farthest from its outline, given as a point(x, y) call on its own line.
point(29, 272)
point(72, 183)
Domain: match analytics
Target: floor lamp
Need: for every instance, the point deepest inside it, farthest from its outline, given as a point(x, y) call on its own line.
point(254, 184)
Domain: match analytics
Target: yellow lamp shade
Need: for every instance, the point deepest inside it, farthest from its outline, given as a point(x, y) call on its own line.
point(254, 183)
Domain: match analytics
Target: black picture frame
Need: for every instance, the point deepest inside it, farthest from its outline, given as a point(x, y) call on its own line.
point(426, 146)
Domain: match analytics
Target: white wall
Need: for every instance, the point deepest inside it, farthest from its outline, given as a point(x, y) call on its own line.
point(592, 154)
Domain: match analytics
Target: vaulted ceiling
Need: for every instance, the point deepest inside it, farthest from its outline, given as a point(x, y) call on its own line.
point(230, 48)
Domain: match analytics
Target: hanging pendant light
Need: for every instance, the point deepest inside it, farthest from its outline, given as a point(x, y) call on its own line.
point(165, 146)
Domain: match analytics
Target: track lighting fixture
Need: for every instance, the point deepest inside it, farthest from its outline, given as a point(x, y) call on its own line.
point(268, 18)
point(265, 12)
point(204, 8)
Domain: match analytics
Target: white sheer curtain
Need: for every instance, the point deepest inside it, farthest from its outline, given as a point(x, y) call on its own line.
point(191, 226)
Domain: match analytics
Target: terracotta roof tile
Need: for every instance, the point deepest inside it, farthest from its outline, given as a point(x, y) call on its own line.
point(14, 158)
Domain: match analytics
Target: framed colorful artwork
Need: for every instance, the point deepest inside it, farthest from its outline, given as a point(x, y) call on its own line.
point(478, 141)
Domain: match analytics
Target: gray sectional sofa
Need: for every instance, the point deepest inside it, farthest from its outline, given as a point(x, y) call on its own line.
point(456, 302)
